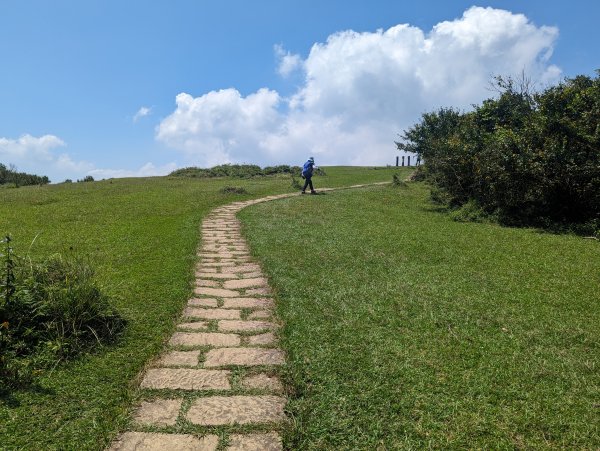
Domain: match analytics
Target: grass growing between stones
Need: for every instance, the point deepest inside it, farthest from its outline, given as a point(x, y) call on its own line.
point(141, 237)
point(405, 329)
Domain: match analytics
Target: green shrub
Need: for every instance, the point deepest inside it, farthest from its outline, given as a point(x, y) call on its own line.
point(235, 170)
point(470, 212)
point(529, 158)
point(234, 190)
point(50, 311)
point(397, 182)
point(87, 178)
point(295, 183)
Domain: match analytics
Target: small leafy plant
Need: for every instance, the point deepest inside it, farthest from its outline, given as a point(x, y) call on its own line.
point(50, 311)
point(397, 182)
point(234, 190)
point(295, 183)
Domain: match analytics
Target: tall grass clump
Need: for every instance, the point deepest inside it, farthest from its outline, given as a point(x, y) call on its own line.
point(50, 311)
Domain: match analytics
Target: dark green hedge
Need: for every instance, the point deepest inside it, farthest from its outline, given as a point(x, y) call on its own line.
point(526, 158)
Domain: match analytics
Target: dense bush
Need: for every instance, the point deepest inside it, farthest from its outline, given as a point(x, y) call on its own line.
point(87, 178)
point(526, 158)
point(49, 311)
point(11, 176)
point(235, 170)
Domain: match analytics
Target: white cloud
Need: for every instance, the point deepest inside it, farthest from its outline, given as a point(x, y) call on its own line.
point(288, 62)
point(221, 126)
point(27, 146)
point(360, 90)
point(147, 170)
point(142, 112)
point(38, 156)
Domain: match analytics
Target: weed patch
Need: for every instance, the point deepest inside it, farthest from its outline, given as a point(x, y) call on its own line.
point(51, 311)
point(397, 182)
point(234, 190)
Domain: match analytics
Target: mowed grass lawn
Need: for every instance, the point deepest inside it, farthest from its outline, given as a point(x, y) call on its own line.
point(406, 330)
point(141, 236)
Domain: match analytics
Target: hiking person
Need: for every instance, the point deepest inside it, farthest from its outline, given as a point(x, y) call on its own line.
point(307, 172)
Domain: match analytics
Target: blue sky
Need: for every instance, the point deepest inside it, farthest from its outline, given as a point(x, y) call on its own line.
point(74, 74)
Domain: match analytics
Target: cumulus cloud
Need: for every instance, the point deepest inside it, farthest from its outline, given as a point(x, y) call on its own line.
point(142, 112)
point(38, 155)
point(221, 126)
point(288, 62)
point(360, 90)
point(147, 170)
point(28, 146)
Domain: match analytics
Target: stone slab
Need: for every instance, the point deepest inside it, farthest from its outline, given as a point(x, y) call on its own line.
point(208, 283)
point(221, 410)
point(204, 339)
point(270, 441)
point(245, 283)
point(216, 248)
point(180, 358)
point(259, 314)
point(186, 379)
point(209, 269)
point(262, 303)
point(198, 325)
point(259, 291)
point(210, 275)
point(227, 325)
point(216, 254)
point(243, 357)
point(216, 264)
point(262, 339)
point(251, 275)
point(263, 381)
point(214, 313)
point(153, 441)
point(203, 302)
point(160, 412)
point(250, 268)
point(218, 292)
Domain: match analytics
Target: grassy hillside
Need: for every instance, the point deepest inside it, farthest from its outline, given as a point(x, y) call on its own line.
point(141, 236)
point(406, 330)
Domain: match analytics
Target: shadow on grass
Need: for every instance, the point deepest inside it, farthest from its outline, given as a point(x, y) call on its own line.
point(8, 398)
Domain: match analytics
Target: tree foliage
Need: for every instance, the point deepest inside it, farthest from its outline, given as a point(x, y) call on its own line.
point(528, 158)
point(10, 175)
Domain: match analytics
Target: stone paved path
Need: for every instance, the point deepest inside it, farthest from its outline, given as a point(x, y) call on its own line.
point(218, 370)
point(223, 353)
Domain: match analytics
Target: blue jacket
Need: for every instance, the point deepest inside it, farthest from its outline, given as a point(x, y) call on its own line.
point(307, 170)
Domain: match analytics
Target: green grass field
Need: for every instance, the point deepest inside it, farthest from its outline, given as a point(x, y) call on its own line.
point(141, 235)
point(407, 330)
